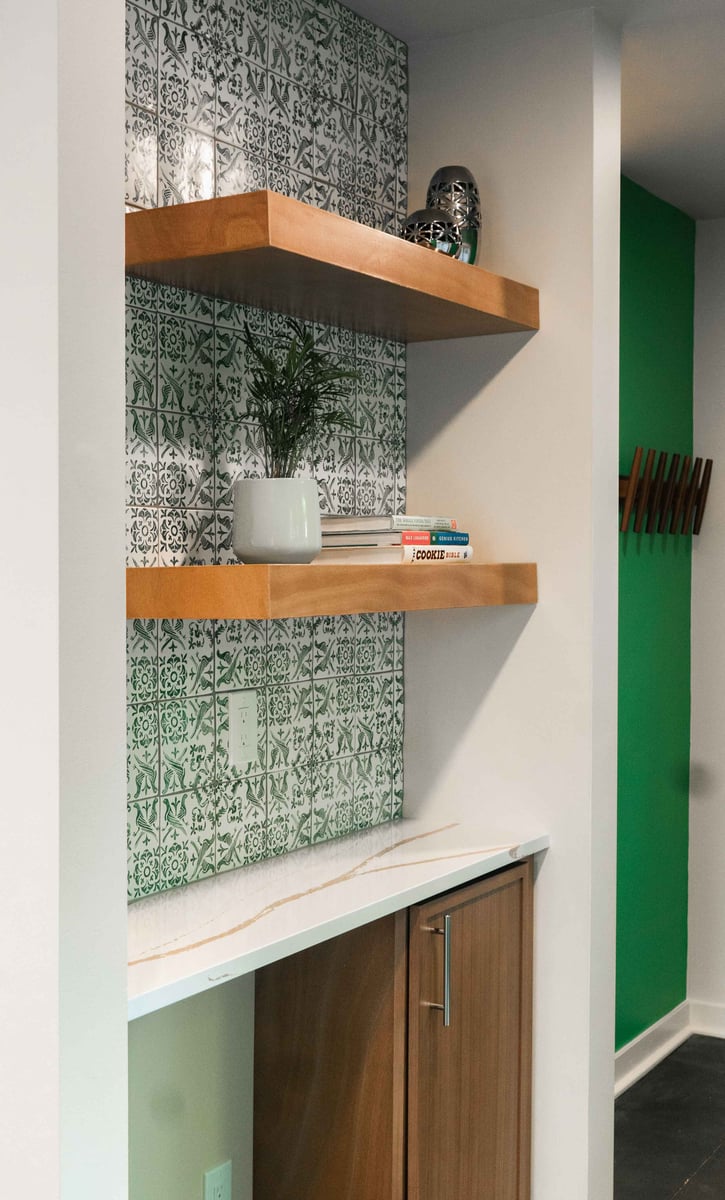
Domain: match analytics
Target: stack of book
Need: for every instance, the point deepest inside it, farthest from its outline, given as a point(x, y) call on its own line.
point(401, 539)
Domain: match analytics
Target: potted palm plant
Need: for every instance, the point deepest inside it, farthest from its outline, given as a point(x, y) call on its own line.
point(294, 398)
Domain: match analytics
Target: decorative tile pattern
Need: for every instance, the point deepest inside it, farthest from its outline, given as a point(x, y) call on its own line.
point(305, 97)
point(302, 96)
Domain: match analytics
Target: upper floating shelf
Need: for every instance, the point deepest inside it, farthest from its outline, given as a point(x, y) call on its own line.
point(273, 252)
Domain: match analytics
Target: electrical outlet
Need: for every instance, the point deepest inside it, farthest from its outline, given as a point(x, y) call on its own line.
point(218, 1182)
point(243, 728)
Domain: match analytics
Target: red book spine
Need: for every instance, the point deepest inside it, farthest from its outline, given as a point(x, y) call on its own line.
point(416, 537)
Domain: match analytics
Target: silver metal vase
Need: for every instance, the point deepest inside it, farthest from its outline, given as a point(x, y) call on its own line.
point(434, 228)
point(455, 191)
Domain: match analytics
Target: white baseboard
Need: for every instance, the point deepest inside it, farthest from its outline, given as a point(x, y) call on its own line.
point(644, 1052)
point(707, 1018)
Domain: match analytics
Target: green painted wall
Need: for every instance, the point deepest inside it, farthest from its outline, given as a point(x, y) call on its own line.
point(657, 308)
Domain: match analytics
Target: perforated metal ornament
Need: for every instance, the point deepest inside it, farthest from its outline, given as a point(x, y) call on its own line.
point(455, 191)
point(432, 228)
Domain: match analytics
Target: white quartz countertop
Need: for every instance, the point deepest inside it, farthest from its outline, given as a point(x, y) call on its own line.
point(193, 938)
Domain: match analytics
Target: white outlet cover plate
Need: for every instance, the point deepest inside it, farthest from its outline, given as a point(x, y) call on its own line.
point(243, 728)
point(218, 1182)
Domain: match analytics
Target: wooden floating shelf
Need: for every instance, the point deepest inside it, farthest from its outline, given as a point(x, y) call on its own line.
point(274, 252)
point(276, 591)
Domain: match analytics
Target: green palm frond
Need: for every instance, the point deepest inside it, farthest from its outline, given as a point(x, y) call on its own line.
point(293, 398)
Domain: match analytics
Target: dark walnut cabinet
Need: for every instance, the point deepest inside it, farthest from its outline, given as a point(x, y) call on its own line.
point(394, 1062)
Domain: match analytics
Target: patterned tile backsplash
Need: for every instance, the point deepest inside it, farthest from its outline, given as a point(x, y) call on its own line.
point(302, 96)
point(307, 98)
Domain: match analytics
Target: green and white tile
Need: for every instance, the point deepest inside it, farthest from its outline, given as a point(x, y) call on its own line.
point(177, 302)
point(399, 703)
point(223, 553)
point(186, 734)
point(341, 343)
point(143, 842)
point(242, 103)
point(375, 643)
point(290, 650)
point(142, 676)
point(336, 717)
point(332, 799)
point(372, 799)
point(187, 837)
point(141, 57)
point(244, 24)
point(377, 406)
point(367, 644)
point(186, 537)
point(397, 628)
point(142, 537)
point(335, 643)
point(189, 13)
point(142, 468)
point(289, 725)
point(186, 84)
point(142, 293)
point(375, 476)
point(238, 454)
point(241, 835)
point(186, 460)
point(185, 164)
point(229, 315)
point(141, 161)
point(375, 702)
point(141, 357)
point(294, 30)
point(186, 366)
point(240, 655)
point(298, 184)
point(142, 741)
point(289, 810)
point(230, 404)
point(186, 659)
point(151, 6)
point(334, 469)
point(397, 774)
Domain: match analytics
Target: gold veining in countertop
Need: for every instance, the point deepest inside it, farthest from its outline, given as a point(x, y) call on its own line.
point(362, 868)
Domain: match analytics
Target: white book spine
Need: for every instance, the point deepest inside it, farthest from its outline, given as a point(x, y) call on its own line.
point(427, 554)
point(396, 554)
point(402, 521)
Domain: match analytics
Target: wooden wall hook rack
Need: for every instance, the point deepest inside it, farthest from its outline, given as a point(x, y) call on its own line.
point(675, 504)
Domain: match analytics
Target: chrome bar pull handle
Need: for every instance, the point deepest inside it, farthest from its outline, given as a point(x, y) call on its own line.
point(447, 970)
point(445, 1007)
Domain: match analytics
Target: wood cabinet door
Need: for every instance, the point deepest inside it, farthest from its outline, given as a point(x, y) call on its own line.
point(329, 1069)
point(469, 1082)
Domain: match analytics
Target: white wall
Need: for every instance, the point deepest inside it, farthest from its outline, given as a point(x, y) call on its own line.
point(706, 969)
point(511, 715)
point(92, 931)
point(62, 886)
point(190, 1096)
point(29, 1108)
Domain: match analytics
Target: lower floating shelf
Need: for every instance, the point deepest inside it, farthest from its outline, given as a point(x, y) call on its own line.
point(277, 591)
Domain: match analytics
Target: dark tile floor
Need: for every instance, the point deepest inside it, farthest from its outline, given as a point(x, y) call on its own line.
point(670, 1128)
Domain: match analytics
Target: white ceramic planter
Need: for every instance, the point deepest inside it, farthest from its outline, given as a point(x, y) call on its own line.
point(276, 520)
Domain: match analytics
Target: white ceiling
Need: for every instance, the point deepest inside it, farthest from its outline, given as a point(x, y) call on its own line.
point(673, 81)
